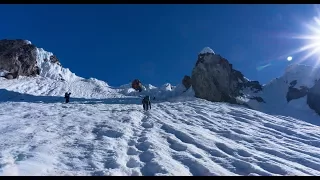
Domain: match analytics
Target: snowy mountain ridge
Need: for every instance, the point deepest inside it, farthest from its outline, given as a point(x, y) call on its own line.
point(53, 70)
point(55, 80)
point(104, 131)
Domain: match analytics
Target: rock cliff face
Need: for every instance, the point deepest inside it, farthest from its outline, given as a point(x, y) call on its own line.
point(296, 92)
point(186, 81)
point(19, 58)
point(313, 97)
point(214, 79)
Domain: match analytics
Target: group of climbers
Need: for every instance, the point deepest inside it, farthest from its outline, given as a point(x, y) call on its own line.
point(136, 84)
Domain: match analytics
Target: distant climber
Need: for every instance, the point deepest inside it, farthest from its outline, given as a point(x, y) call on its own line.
point(136, 84)
point(67, 96)
point(146, 103)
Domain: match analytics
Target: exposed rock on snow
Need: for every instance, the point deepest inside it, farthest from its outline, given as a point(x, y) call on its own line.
point(295, 93)
point(18, 57)
point(186, 81)
point(214, 79)
point(21, 58)
point(313, 97)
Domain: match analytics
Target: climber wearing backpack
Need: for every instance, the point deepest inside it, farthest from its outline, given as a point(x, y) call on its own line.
point(146, 103)
point(67, 96)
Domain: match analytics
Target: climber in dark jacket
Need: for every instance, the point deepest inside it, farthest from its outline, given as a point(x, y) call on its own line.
point(67, 96)
point(146, 103)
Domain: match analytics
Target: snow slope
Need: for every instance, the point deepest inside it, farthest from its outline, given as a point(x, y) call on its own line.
point(192, 137)
point(103, 131)
point(43, 86)
point(55, 80)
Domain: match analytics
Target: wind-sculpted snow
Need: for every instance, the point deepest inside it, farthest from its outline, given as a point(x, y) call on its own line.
point(43, 86)
point(88, 88)
point(191, 137)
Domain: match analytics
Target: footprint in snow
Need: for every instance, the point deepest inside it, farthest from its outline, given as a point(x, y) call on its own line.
point(142, 139)
point(152, 169)
point(196, 168)
point(132, 151)
point(110, 161)
point(143, 146)
point(132, 163)
point(109, 133)
point(147, 124)
point(146, 156)
point(175, 145)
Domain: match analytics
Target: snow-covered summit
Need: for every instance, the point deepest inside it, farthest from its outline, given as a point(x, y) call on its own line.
point(27, 42)
point(207, 50)
point(22, 58)
point(304, 75)
point(52, 70)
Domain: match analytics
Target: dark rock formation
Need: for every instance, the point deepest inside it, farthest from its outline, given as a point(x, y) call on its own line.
point(313, 97)
point(214, 79)
point(186, 81)
point(18, 57)
point(296, 93)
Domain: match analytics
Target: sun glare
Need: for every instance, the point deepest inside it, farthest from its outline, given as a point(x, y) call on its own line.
point(311, 37)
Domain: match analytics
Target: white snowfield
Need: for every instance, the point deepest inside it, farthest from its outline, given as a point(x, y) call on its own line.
point(104, 131)
point(193, 137)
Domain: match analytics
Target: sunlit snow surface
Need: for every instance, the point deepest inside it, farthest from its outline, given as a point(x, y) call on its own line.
point(181, 137)
point(104, 131)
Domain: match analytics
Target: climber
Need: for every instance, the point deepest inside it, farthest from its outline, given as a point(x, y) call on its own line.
point(146, 103)
point(67, 96)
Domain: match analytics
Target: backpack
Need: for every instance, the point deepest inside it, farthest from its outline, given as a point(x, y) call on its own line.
point(146, 99)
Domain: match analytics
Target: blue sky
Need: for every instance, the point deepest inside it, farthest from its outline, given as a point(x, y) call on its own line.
point(158, 43)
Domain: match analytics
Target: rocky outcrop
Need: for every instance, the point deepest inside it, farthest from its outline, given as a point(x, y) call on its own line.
point(53, 59)
point(19, 58)
point(214, 79)
point(9, 76)
point(294, 92)
point(186, 81)
point(313, 97)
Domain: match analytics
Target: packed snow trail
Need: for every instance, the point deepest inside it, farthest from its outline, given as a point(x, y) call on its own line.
point(193, 137)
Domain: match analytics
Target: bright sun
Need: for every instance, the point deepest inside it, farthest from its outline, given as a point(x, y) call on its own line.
point(312, 38)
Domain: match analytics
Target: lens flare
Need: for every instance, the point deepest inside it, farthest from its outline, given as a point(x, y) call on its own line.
point(311, 39)
point(259, 68)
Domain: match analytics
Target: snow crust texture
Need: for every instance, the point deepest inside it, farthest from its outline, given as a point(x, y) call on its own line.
point(115, 137)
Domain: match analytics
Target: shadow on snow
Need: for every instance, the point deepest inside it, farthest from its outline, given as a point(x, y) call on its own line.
point(11, 96)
